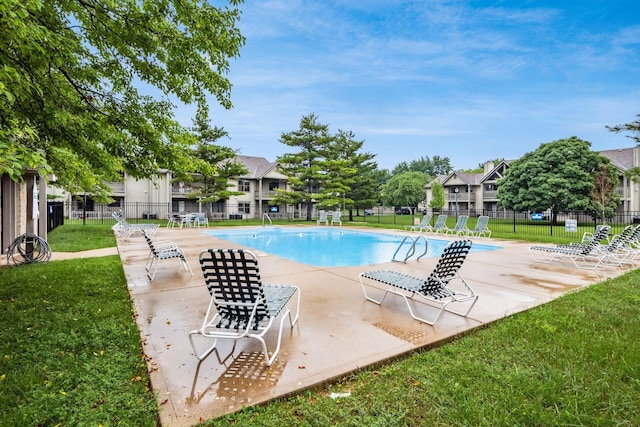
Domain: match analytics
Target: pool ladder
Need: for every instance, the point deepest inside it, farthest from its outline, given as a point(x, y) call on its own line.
point(412, 248)
point(266, 215)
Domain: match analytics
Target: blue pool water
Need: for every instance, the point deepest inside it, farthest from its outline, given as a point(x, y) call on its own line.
point(330, 247)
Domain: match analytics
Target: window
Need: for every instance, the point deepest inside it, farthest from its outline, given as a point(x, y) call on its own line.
point(244, 185)
point(244, 207)
point(89, 206)
point(273, 185)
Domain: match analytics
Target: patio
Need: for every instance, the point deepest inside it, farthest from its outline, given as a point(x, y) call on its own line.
point(338, 331)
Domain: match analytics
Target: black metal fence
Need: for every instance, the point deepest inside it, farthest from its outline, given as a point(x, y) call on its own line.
point(566, 224)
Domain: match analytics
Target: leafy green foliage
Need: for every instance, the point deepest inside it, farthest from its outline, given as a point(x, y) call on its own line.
point(70, 76)
point(216, 165)
point(604, 198)
point(325, 168)
point(633, 128)
point(431, 166)
point(437, 195)
point(558, 175)
point(406, 189)
point(306, 168)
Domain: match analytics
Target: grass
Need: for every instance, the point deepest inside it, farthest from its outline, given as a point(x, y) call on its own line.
point(574, 361)
point(75, 238)
point(71, 355)
point(70, 348)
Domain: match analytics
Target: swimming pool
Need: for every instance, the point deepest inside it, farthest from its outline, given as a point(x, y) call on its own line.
point(327, 246)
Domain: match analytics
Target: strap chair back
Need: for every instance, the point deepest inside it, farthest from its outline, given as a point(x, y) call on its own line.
point(233, 280)
point(447, 268)
point(241, 305)
point(601, 234)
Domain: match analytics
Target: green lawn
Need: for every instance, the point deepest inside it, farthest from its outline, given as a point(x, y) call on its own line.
point(71, 355)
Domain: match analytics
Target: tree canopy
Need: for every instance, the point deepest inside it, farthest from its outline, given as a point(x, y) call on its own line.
point(405, 189)
point(431, 166)
point(559, 175)
point(327, 170)
point(219, 161)
point(437, 195)
point(87, 88)
point(306, 168)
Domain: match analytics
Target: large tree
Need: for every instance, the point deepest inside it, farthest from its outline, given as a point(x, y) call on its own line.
point(604, 198)
point(218, 163)
point(431, 166)
point(406, 189)
point(358, 174)
point(306, 168)
point(87, 88)
point(437, 195)
point(559, 176)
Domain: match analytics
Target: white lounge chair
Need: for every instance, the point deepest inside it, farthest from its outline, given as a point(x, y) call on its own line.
point(241, 306)
point(439, 226)
point(435, 289)
point(124, 228)
point(323, 218)
point(162, 250)
point(459, 228)
point(422, 225)
point(481, 229)
point(335, 217)
point(587, 256)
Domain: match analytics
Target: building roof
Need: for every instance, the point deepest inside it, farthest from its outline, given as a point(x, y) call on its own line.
point(622, 158)
point(258, 167)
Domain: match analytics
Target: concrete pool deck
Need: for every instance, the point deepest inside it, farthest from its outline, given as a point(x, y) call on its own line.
point(338, 330)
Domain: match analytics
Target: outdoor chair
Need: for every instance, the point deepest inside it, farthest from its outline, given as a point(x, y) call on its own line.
point(587, 256)
point(422, 225)
point(200, 220)
point(335, 217)
point(123, 228)
point(481, 229)
point(241, 306)
point(459, 228)
point(172, 220)
point(162, 250)
point(587, 236)
point(439, 226)
point(434, 290)
point(323, 218)
point(620, 248)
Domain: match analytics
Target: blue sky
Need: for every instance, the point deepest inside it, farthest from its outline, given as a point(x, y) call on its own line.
point(467, 80)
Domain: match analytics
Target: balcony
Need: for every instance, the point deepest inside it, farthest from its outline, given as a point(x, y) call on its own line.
point(462, 197)
point(182, 191)
point(489, 195)
point(117, 188)
point(266, 194)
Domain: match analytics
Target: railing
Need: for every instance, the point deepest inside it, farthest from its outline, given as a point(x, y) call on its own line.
point(412, 248)
point(266, 215)
point(265, 194)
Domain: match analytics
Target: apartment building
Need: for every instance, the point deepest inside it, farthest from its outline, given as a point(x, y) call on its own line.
point(476, 193)
point(164, 195)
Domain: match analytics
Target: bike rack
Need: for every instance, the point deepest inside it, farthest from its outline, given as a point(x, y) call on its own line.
point(412, 249)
